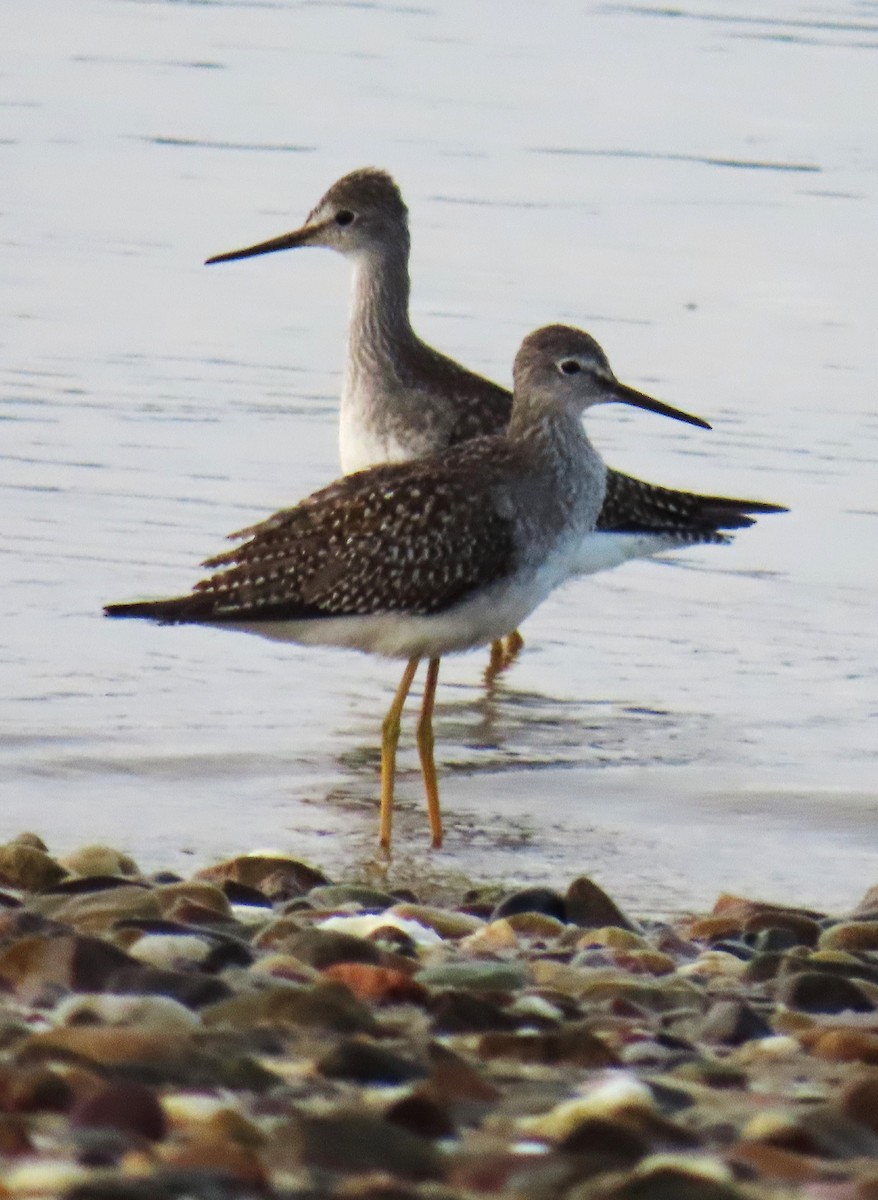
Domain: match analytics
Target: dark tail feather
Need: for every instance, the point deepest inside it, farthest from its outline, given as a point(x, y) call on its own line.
point(175, 611)
point(632, 506)
point(724, 513)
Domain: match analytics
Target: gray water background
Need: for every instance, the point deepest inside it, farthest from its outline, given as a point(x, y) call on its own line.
point(697, 187)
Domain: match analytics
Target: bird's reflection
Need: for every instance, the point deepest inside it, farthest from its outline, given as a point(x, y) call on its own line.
point(498, 726)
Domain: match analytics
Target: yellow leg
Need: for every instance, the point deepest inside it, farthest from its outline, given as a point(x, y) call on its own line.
point(389, 741)
point(495, 660)
point(503, 655)
point(425, 750)
point(514, 643)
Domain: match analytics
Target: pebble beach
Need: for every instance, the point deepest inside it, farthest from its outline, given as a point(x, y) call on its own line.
point(260, 1029)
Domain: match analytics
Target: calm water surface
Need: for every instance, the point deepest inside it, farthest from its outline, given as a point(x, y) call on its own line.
point(698, 188)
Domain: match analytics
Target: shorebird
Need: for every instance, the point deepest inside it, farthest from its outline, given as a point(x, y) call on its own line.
point(431, 557)
point(402, 399)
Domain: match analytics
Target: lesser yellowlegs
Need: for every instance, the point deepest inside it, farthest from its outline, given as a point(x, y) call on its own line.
point(430, 557)
point(402, 399)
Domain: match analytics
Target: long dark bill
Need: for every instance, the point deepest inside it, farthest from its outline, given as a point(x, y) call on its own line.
point(286, 241)
point(627, 395)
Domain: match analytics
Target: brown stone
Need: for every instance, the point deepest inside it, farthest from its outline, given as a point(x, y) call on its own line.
point(610, 937)
point(151, 1057)
point(129, 1108)
point(644, 962)
point(276, 877)
point(100, 1044)
point(63, 961)
point(617, 1140)
point(277, 934)
point(728, 903)
point(805, 929)
point(361, 1060)
point(31, 963)
point(589, 906)
point(225, 1157)
point(14, 1138)
point(99, 860)
point(322, 1006)
point(323, 948)
point(447, 923)
point(227, 1125)
point(859, 1100)
point(378, 985)
point(356, 1142)
point(732, 1023)
point(574, 1045)
point(33, 1089)
point(497, 1172)
point(456, 1011)
point(284, 966)
point(190, 988)
point(497, 938)
point(29, 839)
point(712, 929)
point(854, 936)
point(28, 868)
point(536, 926)
point(776, 1162)
point(454, 1081)
point(868, 906)
point(821, 992)
point(97, 912)
point(420, 1113)
point(170, 896)
point(661, 1180)
point(842, 1045)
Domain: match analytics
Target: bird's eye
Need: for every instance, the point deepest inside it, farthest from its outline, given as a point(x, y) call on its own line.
point(344, 217)
point(569, 366)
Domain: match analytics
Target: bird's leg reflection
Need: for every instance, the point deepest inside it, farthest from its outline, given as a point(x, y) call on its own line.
point(504, 652)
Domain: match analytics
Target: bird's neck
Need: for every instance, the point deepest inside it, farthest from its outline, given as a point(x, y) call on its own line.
point(552, 432)
point(376, 395)
point(562, 478)
point(380, 330)
point(555, 444)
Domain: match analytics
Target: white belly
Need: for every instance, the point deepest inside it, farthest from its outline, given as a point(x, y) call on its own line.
point(362, 441)
point(360, 447)
point(476, 621)
point(602, 551)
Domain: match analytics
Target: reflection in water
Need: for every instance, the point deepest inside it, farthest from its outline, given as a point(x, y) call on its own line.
point(500, 728)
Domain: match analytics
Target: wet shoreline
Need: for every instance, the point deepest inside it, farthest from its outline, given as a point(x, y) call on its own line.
point(668, 839)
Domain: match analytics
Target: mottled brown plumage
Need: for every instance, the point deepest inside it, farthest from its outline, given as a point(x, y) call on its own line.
point(632, 506)
point(425, 558)
point(395, 540)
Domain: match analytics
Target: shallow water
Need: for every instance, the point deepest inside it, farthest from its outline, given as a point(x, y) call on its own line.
point(696, 188)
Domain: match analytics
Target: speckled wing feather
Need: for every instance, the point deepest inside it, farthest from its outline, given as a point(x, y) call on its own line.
point(394, 539)
point(632, 506)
